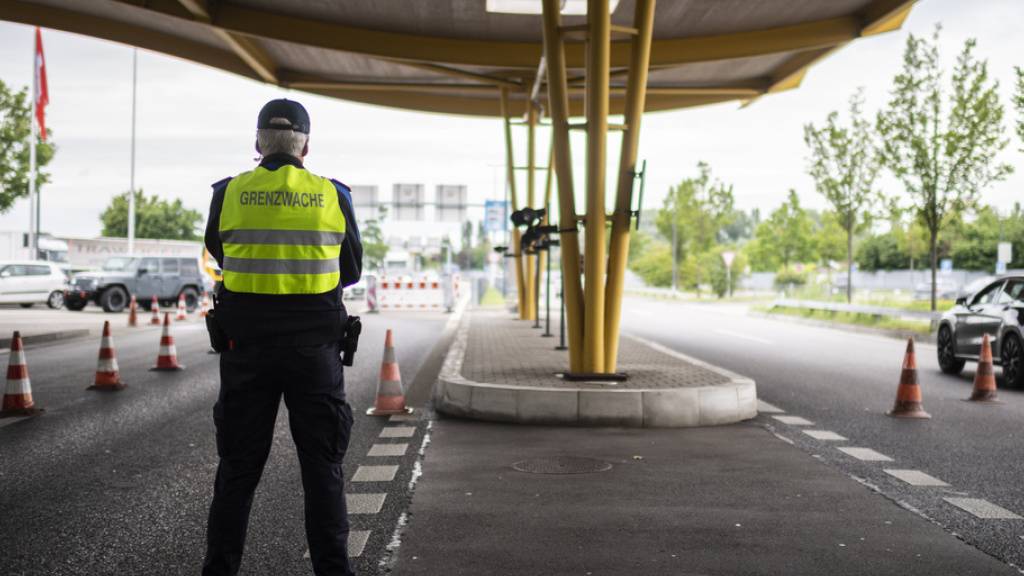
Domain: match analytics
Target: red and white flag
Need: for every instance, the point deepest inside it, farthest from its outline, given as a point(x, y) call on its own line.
point(42, 95)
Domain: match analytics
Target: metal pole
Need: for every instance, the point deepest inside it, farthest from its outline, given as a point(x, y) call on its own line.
point(618, 253)
point(536, 299)
point(531, 201)
point(597, 80)
point(547, 296)
point(131, 192)
point(558, 105)
point(561, 317)
point(517, 260)
point(33, 231)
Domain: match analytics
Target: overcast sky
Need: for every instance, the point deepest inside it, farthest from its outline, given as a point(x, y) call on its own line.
point(196, 124)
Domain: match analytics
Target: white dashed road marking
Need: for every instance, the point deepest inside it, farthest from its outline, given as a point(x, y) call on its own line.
point(356, 542)
point(375, 474)
point(866, 454)
point(824, 435)
point(404, 418)
point(794, 420)
point(397, 432)
point(364, 503)
point(744, 336)
point(9, 421)
point(388, 450)
point(982, 508)
point(916, 477)
point(767, 408)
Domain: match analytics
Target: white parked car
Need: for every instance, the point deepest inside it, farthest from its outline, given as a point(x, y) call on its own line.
point(32, 282)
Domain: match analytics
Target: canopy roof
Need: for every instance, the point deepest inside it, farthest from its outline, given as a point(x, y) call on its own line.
point(450, 55)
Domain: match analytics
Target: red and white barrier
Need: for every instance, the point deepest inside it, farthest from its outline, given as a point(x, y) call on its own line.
point(422, 294)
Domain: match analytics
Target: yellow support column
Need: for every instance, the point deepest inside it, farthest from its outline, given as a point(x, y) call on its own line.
point(558, 106)
point(514, 248)
point(531, 202)
point(636, 94)
point(598, 62)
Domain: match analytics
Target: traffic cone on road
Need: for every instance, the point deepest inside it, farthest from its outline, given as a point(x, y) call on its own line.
point(908, 395)
point(155, 307)
point(167, 360)
point(108, 377)
point(985, 375)
point(390, 397)
point(182, 312)
point(204, 305)
point(133, 313)
point(18, 395)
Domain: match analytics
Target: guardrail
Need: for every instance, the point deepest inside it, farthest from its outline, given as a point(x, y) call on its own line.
point(879, 311)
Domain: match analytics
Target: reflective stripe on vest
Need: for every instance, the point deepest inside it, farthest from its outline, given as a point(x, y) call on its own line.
point(282, 232)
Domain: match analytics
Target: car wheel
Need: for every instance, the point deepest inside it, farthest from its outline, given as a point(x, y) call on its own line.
point(114, 299)
point(25, 304)
point(56, 300)
point(1013, 361)
point(191, 299)
point(948, 361)
point(75, 307)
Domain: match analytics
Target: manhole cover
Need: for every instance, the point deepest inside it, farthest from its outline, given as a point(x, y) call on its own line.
point(562, 465)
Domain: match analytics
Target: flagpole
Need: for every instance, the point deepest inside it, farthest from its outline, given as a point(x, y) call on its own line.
point(33, 223)
point(131, 192)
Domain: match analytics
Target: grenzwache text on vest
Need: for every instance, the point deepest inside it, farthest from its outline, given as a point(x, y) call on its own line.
point(281, 198)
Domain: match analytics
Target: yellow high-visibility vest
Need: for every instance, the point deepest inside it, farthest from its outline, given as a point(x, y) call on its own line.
point(282, 232)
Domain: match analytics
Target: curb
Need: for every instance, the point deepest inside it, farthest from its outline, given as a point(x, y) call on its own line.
point(455, 395)
point(889, 333)
point(47, 337)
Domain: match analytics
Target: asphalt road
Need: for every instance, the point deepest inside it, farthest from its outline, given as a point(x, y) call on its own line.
point(119, 483)
point(844, 382)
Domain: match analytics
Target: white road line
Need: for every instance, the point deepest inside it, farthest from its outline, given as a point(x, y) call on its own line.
point(397, 432)
point(824, 435)
point(767, 408)
point(982, 508)
point(915, 477)
point(375, 474)
point(866, 454)
point(388, 450)
point(404, 418)
point(362, 503)
point(356, 543)
point(794, 420)
point(9, 421)
point(744, 336)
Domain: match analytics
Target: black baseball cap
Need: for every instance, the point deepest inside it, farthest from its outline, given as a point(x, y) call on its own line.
point(283, 114)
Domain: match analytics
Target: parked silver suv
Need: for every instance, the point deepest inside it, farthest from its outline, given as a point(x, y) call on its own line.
point(165, 277)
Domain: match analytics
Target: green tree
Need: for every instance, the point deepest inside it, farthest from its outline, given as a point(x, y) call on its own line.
point(15, 131)
point(375, 249)
point(844, 166)
point(881, 252)
point(941, 143)
point(787, 236)
point(1018, 102)
point(154, 218)
point(831, 240)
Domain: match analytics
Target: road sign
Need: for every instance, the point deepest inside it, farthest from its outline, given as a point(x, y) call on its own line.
point(496, 215)
point(946, 265)
point(1005, 254)
point(728, 257)
point(1000, 267)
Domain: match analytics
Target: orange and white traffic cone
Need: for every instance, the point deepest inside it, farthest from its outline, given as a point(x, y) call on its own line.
point(985, 375)
point(182, 311)
point(133, 313)
point(155, 307)
point(167, 359)
point(908, 395)
point(204, 305)
point(18, 395)
point(390, 397)
point(108, 377)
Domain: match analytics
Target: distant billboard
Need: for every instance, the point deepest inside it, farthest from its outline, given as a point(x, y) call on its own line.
point(407, 200)
point(451, 202)
point(365, 201)
point(496, 215)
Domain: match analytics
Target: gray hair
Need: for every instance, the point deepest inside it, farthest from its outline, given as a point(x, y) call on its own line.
point(281, 142)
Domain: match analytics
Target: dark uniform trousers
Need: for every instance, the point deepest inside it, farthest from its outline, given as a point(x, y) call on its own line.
point(252, 383)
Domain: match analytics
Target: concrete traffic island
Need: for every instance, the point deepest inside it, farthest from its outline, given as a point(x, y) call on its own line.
point(501, 369)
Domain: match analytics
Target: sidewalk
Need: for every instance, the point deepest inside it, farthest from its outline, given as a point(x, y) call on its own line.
point(719, 500)
point(730, 500)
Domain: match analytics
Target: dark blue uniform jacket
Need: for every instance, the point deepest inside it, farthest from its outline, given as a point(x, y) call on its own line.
point(286, 320)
